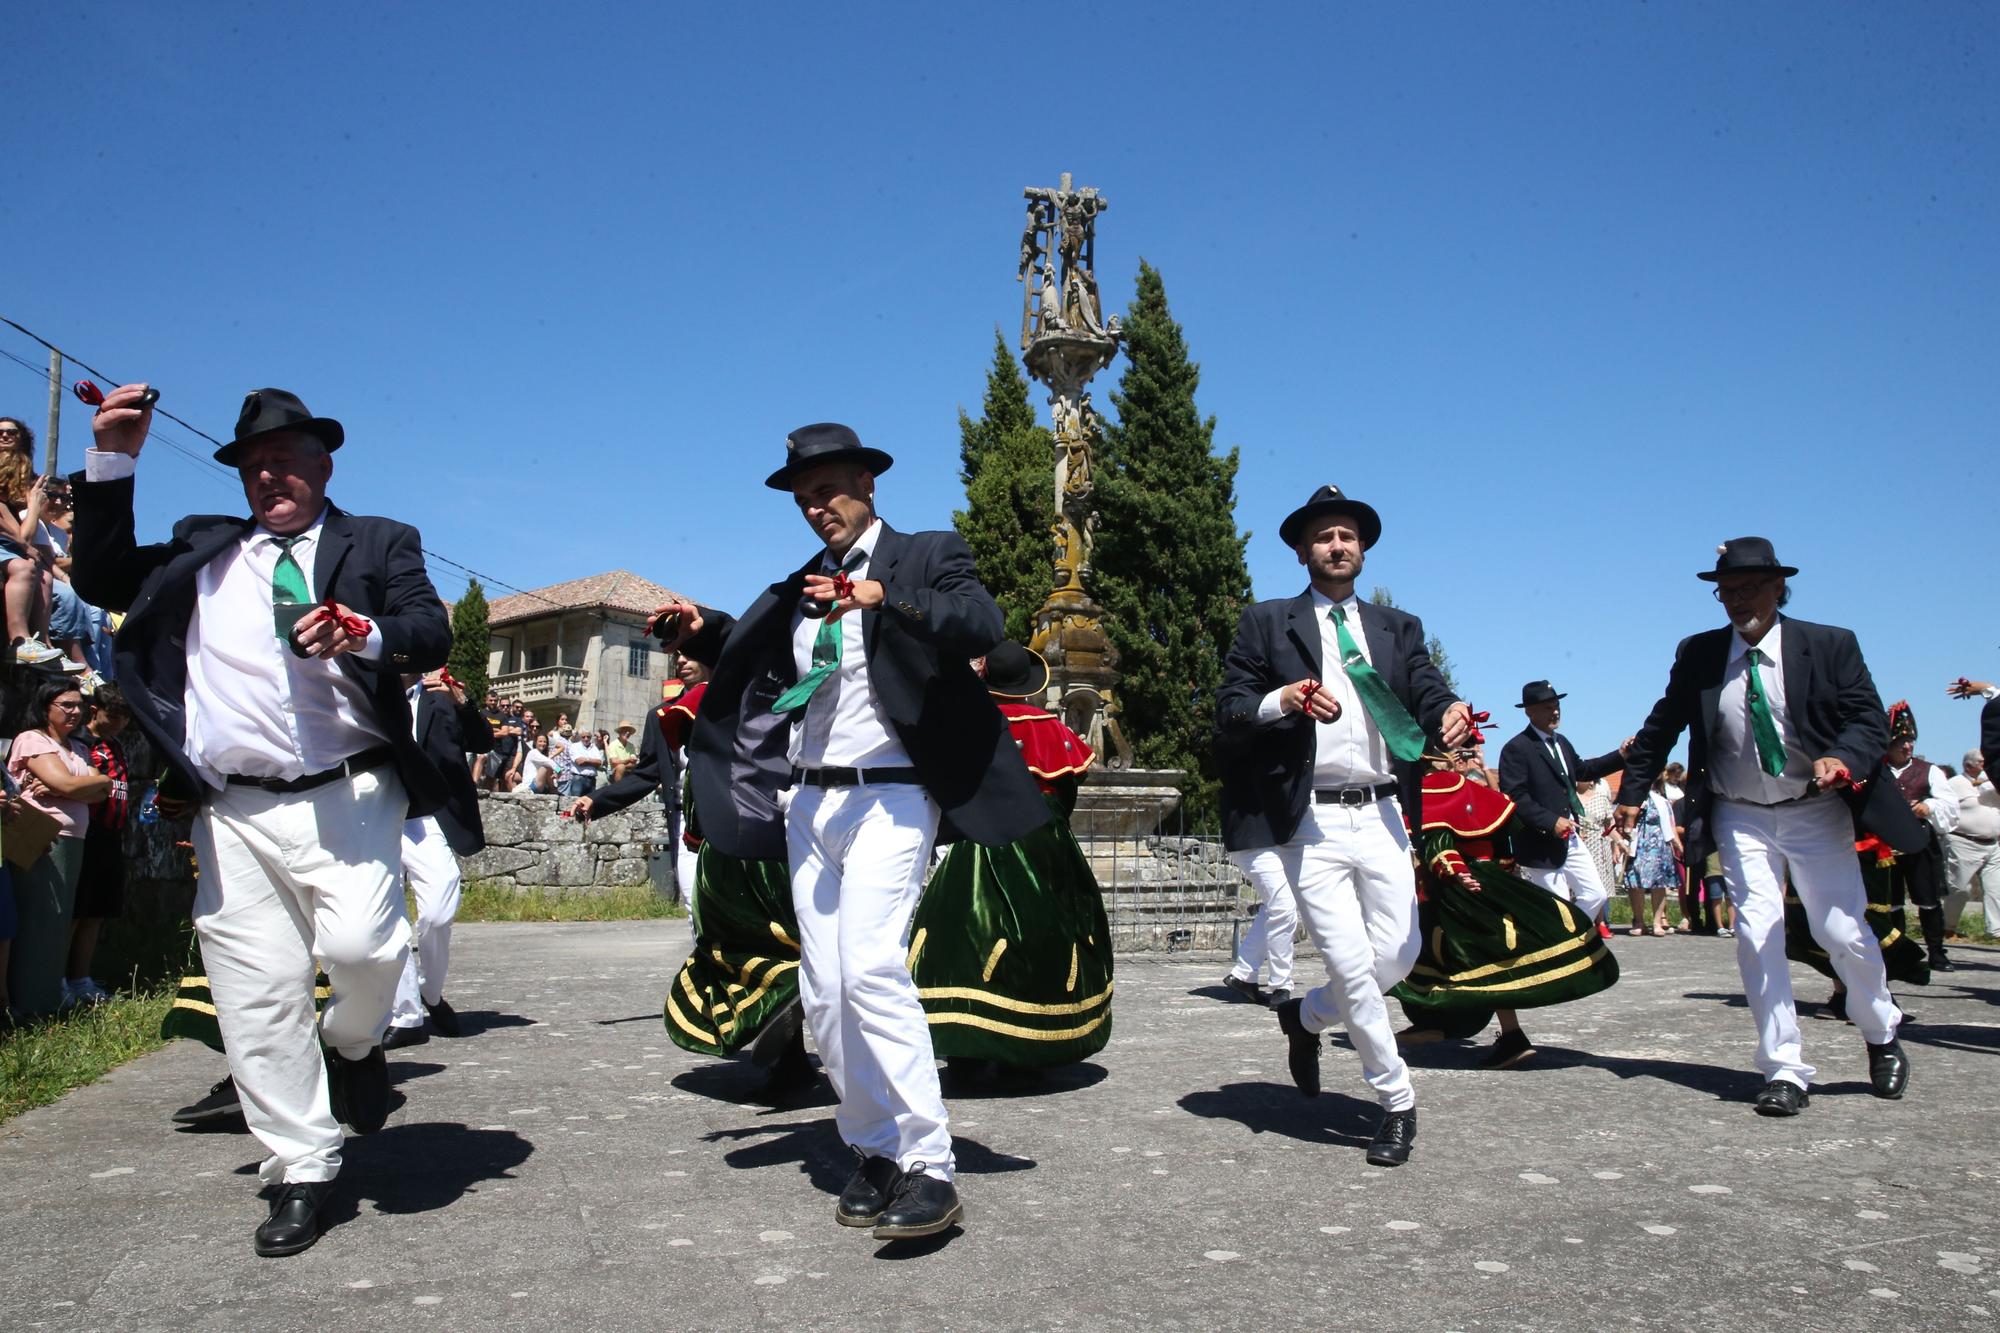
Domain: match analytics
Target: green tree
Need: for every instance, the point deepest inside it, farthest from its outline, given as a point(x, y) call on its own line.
point(1006, 463)
point(1169, 559)
point(1432, 645)
point(470, 641)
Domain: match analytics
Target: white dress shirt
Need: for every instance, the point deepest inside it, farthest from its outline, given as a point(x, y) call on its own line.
point(1733, 763)
point(1978, 808)
point(1943, 801)
point(253, 707)
point(1348, 751)
point(844, 725)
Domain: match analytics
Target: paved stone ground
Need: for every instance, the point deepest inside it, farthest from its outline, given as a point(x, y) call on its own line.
point(565, 1166)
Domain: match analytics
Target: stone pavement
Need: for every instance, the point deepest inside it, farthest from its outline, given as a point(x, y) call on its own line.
point(565, 1166)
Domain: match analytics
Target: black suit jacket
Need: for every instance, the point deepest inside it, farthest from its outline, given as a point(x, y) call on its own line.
point(1830, 702)
point(658, 769)
point(1266, 767)
point(934, 619)
point(1989, 740)
point(446, 731)
point(1530, 778)
point(374, 565)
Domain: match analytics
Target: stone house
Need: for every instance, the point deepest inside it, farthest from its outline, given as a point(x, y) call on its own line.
point(580, 648)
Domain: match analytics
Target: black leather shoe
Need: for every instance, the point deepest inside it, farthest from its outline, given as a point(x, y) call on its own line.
point(1782, 1097)
point(294, 1221)
point(443, 1017)
point(1393, 1137)
point(1511, 1049)
point(1304, 1054)
point(220, 1103)
point(867, 1193)
point(1888, 1069)
point(360, 1090)
point(1834, 1008)
point(1941, 963)
point(1246, 990)
point(397, 1038)
point(1274, 998)
point(922, 1205)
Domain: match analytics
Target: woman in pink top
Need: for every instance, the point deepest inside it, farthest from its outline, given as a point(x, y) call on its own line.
point(59, 782)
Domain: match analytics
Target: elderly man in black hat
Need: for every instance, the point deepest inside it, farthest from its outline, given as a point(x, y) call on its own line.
point(263, 656)
point(1780, 714)
point(842, 721)
point(1326, 706)
point(1539, 770)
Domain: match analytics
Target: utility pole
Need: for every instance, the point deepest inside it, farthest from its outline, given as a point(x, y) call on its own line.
point(55, 409)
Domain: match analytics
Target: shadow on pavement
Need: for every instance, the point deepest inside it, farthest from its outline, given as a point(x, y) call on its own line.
point(1952, 1036)
point(1278, 1108)
point(979, 1080)
point(421, 1168)
point(1218, 991)
point(473, 1022)
point(1720, 1081)
point(815, 1148)
point(741, 1081)
point(402, 1071)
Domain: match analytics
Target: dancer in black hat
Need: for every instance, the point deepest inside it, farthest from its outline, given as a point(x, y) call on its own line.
point(1780, 713)
point(842, 721)
point(1539, 770)
point(263, 656)
point(1326, 706)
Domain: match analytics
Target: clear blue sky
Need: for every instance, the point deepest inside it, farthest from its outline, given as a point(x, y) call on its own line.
point(1570, 292)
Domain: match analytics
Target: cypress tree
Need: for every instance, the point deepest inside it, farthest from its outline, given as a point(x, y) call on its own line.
point(1007, 465)
point(1169, 559)
point(470, 641)
point(1432, 645)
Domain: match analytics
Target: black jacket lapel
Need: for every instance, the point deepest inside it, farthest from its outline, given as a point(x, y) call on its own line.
point(336, 539)
point(1797, 663)
point(889, 547)
point(1381, 646)
point(1302, 622)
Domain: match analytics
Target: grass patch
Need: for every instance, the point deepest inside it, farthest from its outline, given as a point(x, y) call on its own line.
point(484, 900)
point(41, 1062)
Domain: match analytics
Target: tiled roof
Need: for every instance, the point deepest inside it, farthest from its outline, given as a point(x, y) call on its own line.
point(619, 590)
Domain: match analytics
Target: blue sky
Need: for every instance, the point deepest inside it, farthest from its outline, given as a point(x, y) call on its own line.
point(1569, 292)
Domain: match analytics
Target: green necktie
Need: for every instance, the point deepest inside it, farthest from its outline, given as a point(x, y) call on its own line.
point(1404, 737)
point(1569, 779)
point(1770, 746)
point(825, 658)
point(290, 597)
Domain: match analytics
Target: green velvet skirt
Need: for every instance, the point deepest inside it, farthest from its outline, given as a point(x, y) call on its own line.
point(1511, 945)
point(1011, 952)
point(745, 964)
point(1903, 956)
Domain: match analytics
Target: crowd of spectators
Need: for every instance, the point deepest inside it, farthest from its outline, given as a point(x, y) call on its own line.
point(563, 760)
point(48, 625)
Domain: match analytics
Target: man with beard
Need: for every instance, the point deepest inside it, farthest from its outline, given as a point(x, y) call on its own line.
point(1324, 712)
point(1780, 713)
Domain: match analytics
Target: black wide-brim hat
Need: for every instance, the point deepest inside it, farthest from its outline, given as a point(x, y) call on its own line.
point(1329, 500)
point(824, 442)
point(1746, 555)
point(1538, 692)
point(270, 411)
point(1014, 672)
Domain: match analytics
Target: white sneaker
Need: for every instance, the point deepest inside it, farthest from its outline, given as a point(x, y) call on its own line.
point(89, 992)
point(72, 667)
point(33, 652)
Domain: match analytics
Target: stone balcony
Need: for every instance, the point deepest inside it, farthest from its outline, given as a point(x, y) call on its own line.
point(544, 685)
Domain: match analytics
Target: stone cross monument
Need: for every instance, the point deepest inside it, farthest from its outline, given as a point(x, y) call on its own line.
point(1065, 340)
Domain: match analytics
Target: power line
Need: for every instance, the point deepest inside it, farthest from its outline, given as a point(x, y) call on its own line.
point(212, 466)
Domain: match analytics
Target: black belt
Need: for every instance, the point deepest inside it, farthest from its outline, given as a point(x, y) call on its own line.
point(347, 768)
point(1354, 795)
point(1974, 837)
point(852, 777)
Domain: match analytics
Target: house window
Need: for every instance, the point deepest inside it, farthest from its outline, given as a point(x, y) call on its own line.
point(639, 659)
point(541, 657)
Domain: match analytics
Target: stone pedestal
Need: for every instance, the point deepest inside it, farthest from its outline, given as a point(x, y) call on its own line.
point(1126, 802)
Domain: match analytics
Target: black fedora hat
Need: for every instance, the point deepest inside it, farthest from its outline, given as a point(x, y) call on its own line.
point(824, 442)
point(1329, 500)
point(269, 411)
point(1746, 555)
point(1014, 672)
point(1538, 692)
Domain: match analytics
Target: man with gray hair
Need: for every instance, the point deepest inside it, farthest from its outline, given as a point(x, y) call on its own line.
point(1972, 849)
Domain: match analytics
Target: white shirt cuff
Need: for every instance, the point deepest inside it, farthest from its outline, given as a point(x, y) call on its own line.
point(1269, 709)
point(1991, 691)
point(105, 465)
point(371, 648)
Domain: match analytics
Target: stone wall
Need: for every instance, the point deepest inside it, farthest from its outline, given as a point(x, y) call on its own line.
point(529, 844)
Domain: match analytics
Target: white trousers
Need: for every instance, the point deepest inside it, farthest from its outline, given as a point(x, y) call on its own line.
point(686, 858)
point(1270, 938)
point(1813, 841)
point(858, 857)
point(430, 868)
point(290, 882)
point(1350, 869)
point(1574, 881)
point(1968, 863)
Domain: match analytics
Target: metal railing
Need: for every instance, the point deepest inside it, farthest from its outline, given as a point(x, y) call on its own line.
point(1169, 890)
